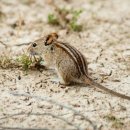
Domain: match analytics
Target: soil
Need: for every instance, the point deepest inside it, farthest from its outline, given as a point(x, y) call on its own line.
point(105, 42)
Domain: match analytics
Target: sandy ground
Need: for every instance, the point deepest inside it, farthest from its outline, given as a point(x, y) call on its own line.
point(105, 41)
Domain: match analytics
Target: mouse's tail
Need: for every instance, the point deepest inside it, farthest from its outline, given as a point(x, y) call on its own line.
point(91, 82)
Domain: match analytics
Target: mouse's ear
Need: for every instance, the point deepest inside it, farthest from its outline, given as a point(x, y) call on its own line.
point(50, 38)
point(54, 35)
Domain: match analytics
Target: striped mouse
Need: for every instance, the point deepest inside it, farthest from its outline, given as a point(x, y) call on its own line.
point(69, 63)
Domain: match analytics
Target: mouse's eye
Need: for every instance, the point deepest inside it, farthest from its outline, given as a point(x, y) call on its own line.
point(34, 44)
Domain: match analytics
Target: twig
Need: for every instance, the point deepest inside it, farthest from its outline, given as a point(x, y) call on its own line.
point(43, 114)
point(14, 44)
point(22, 44)
point(100, 54)
point(19, 128)
point(3, 44)
point(58, 104)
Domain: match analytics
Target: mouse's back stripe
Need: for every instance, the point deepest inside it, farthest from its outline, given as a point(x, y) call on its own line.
point(81, 60)
point(68, 51)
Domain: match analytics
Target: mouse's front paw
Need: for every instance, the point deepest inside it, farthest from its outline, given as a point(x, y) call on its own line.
point(55, 80)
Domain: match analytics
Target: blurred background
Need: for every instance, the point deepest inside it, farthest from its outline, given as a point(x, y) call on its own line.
point(100, 29)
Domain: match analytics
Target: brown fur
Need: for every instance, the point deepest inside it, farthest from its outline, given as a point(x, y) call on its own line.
point(70, 64)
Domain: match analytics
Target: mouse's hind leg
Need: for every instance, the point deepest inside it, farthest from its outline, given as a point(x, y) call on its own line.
point(63, 79)
point(67, 72)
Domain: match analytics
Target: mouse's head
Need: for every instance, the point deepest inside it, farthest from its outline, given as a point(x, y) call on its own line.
point(40, 46)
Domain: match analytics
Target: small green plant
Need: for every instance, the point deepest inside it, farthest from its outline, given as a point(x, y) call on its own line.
point(52, 19)
point(25, 61)
point(73, 22)
point(62, 20)
point(75, 27)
